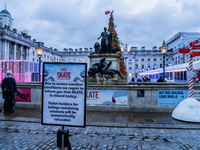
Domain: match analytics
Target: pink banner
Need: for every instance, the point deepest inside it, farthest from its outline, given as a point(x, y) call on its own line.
point(24, 95)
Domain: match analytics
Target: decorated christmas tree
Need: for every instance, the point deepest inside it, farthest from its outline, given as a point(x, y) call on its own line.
point(111, 29)
point(115, 42)
point(122, 67)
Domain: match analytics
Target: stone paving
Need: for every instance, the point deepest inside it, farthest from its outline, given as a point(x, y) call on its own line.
point(18, 132)
point(26, 135)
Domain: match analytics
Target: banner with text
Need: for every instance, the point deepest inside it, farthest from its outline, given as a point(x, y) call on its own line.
point(196, 94)
point(64, 94)
point(107, 97)
point(23, 95)
point(171, 97)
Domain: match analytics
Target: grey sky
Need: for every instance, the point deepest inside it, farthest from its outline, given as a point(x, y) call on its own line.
point(78, 23)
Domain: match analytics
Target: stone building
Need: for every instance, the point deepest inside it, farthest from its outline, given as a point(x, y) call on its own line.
point(141, 60)
point(16, 45)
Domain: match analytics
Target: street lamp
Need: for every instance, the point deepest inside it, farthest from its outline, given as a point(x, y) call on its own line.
point(164, 51)
point(39, 51)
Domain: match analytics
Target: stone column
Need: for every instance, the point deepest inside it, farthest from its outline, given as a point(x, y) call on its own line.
point(15, 49)
point(21, 50)
point(8, 51)
point(125, 61)
point(4, 50)
point(27, 53)
point(133, 65)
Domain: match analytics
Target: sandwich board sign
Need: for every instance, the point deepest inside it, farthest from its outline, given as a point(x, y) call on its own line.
point(64, 94)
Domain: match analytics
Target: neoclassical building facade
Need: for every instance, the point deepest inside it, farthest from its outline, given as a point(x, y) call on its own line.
point(141, 60)
point(15, 45)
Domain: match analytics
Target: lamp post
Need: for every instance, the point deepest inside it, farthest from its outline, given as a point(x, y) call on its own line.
point(39, 51)
point(164, 51)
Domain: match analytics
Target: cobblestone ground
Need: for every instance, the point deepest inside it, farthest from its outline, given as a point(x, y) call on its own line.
point(34, 136)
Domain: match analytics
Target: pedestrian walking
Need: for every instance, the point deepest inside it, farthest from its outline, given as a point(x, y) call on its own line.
point(9, 90)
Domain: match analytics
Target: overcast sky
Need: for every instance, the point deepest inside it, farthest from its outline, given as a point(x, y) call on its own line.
point(78, 23)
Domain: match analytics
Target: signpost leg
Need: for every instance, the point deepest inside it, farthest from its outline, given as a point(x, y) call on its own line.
point(63, 139)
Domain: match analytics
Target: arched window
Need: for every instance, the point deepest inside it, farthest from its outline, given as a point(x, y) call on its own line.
point(9, 23)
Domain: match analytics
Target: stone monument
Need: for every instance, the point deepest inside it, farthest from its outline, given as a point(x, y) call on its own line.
point(104, 62)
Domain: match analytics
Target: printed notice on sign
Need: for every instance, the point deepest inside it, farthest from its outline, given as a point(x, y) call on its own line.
point(64, 94)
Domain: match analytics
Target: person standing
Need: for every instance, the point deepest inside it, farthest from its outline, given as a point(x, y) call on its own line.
point(196, 81)
point(148, 80)
point(136, 77)
point(160, 79)
point(139, 80)
point(133, 80)
point(145, 79)
point(9, 90)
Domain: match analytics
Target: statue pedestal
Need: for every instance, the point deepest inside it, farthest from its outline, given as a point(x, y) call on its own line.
point(105, 78)
point(113, 57)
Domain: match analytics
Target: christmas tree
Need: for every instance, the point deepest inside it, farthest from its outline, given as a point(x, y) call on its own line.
point(111, 29)
point(115, 42)
point(122, 67)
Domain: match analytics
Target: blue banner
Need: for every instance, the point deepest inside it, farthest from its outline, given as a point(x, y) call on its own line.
point(171, 97)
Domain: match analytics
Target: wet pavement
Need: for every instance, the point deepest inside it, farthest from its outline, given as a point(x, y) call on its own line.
point(104, 130)
point(114, 119)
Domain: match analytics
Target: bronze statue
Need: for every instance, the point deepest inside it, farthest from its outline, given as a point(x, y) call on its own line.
point(97, 48)
point(102, 68)
point(104, 40)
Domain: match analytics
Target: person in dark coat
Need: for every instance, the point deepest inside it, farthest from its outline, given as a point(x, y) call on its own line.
point(9, 90)
point(139, 80)
point(145, 79)
point(160, 79)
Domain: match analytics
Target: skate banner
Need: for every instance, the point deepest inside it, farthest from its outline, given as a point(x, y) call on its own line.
point(107, 97)
point(23, 95)
point(64, 94)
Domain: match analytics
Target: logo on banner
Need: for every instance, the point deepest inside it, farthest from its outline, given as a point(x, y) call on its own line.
point(63, 74)
point(46, 76)
point(92, 95)
point(80, 78)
